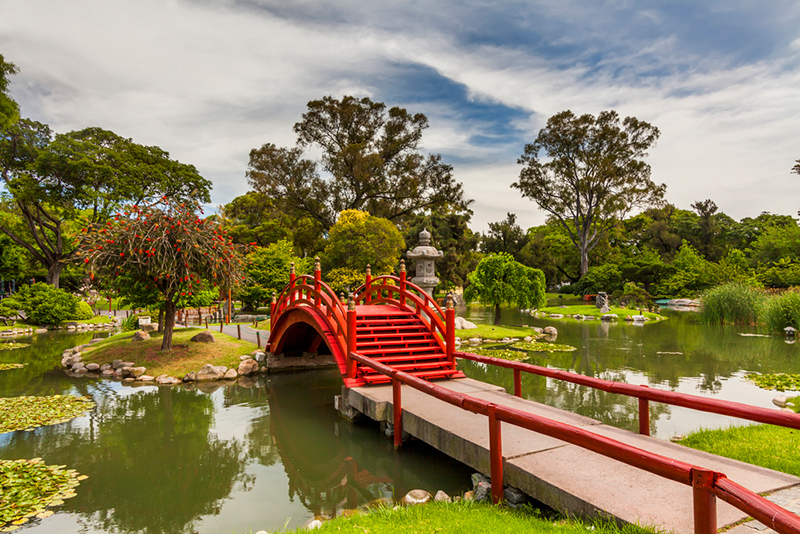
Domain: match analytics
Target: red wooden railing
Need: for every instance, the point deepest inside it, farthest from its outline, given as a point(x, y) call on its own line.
point(707, 485)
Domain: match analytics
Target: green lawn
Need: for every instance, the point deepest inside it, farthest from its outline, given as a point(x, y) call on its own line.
point(769, 446)
point(487, 331)
point(591, 309)
point(184, 357)
point(464, 517)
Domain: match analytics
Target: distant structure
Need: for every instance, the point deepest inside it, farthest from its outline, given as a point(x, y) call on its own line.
point(425, 257)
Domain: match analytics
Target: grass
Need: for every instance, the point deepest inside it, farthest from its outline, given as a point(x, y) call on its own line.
point(98, 319)
point(591, 309)
point(773, 447)
point(781, 311)
point(487, 331)
point(184, 357)
point(732, 303)
point(464, 517)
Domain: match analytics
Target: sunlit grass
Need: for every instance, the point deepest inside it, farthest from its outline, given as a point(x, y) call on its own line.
point(591, 309)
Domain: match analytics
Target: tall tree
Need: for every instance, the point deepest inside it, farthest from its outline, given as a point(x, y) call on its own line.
point(169, 249)
point(505, 236)
point(708, 229)
point(57, 183)
point(9, 110)
point(589, 171)
point(370, 161)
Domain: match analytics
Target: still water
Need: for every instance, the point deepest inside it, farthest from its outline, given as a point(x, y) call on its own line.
point(677, 354)
point(231, 459)
point(213, 460)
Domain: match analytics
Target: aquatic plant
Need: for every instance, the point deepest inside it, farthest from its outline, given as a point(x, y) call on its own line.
point(535, 346)
point(12, 346)
point(7, 366)
point(504, 353)
point(24, 413)
point(29, 487)
point(777, 381)
point(732, 303)
point(781, 311)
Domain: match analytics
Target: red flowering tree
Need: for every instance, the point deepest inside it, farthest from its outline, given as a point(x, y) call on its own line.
point(165, 248)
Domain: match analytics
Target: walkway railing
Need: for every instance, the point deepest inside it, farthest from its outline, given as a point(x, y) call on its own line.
point(644, 394)
point(707, 485)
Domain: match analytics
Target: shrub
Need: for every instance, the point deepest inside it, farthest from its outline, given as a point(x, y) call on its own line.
point(781, 311)
point(600, 278)
point(82, 311)
point(633, 295)
point(44, 304)
point(732, 303)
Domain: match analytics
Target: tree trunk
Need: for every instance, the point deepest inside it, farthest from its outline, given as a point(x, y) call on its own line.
point(584, 259)
point(169, 325)
point(54, 273)
point(496, 314)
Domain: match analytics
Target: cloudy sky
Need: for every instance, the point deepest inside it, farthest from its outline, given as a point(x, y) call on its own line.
point(208, 80)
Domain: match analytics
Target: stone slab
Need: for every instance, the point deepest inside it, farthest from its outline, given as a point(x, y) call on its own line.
point(564, 476)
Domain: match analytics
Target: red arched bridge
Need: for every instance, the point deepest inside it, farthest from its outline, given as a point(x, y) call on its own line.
point(387, 319)
point(391, 332)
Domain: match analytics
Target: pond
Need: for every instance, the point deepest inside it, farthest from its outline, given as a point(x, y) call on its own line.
point(211, 460)
point(677, 354)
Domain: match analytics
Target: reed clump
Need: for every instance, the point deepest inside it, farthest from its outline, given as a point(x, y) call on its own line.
point(733, 303)
point(780, 311)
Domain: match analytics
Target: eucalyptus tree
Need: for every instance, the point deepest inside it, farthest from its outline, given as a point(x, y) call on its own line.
point(370, 161)
point(56, 184)
point(588, 173)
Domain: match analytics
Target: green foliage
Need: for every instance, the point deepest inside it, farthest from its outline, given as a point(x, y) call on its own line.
point(82, 311)
point(536, 346)
point(782, 273)
point(359, 239)
point(777, 243)
point(24, 413)
point(505, 236)
point(499, 279)
point(601, 278)
point(776, 381)
point(693, 274)
point(633, 295)
point(268, 270)
point(370, 161)
point(45, 304)
point(498, 352)
point(13, 259)
point(589, 172)
point(29, 487)
point(732, 303)
point(344, 279)
point(9, 110)
point(12, 346)
point(780, 311)
point(199, 299)
point(9, 310)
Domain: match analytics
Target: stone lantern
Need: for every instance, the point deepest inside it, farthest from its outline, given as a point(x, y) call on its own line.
point(425, 256)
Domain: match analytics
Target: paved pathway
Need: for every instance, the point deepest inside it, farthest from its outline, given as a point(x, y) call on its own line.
point(564, 476)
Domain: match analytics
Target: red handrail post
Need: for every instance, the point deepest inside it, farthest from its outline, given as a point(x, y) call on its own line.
point(495, 455)
point(397, 413)
point(317, 278)
point(704, 500)
point(517, 383)
point(367, 285)
point(351, 337)
point(450, 329)
point(402, 296)
point(272, 307)
point(292, 276)
point(644, 416)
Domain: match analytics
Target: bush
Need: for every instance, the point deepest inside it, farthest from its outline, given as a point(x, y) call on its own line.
point(732, 303)
point(781, 311)
point(44, 304)
point(633, 295)
point(567, 289)
point(82, 311)
point(600, 278)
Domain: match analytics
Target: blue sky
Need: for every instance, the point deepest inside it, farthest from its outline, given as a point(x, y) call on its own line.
point(208, 80)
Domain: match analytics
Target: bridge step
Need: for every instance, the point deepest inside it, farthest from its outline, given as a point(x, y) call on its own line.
point(400, 339)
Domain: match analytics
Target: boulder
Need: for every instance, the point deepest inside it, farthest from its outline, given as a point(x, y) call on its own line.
point(230, 374)
point(442, 497)
point(556, 316)
point(247, 367)
point(780, 401)
point(416, 496)
point(528, 339)
point(538, 329)
point(550, 331)
point(259, 356)
point(483, 492)
point(105, 366)
point(609, 317)
point(165, 380)
point(190, 377)
point(469, 496)
point(146, 378)
point(463, 324)
point(639, 318)
point(203, 337)
point(132, 372)
point(92, 367)
point(140, 335)
point(475, 341)
point(40, 331)
point(514, 495)
point(209, 372)
point(106, 373)
point(245, 357)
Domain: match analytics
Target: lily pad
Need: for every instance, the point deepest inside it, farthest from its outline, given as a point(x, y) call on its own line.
point(7, 366)
point(776, 381)
point(505, 354)
point(29, 487)
point(25, 413)
point(12, 346)
point(536, 346)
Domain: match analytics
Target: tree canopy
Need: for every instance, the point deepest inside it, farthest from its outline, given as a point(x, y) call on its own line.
point(588, 172)
point(500, 279)
point(55, 184)
point(168, 249)
point(370, 161)
point(9, 110)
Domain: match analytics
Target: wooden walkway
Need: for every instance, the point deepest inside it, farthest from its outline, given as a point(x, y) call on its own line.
point(566, 477)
